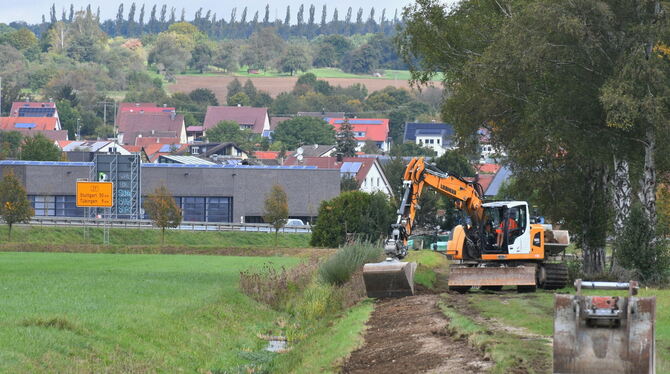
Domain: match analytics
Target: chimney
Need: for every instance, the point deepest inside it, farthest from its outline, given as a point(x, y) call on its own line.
point(239, 105)
point(164, 105)
point(153, 132)
point(141, 111)
point(173, 115)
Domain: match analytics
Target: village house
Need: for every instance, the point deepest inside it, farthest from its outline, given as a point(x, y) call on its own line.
point(367, 171)
point(254, 119)
point(436, 136)
point(31, 126)
point(155, 126)
point(375, 130)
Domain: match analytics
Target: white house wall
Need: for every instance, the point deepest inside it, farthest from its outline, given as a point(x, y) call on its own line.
point(375, 181)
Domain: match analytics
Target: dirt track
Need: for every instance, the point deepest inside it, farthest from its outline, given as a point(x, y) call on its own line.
point(409, 335)
point(274, 86)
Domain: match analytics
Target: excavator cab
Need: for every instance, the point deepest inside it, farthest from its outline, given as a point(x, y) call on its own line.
point(506, 227)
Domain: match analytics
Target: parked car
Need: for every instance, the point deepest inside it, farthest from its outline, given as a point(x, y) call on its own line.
point(295, 222)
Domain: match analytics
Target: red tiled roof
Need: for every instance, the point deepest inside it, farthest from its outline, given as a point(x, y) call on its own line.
point(487, 168)
point(243, 115)
point(63, 143)
point(331, 163)
point(275, 121)
point(153, 150)
point(266, 155)
point(14, 112)
point(483, 179)
point(133, 148)
point(55, 135)
point(142, 141)
point(146, 107)
point(28, 123)
point(132, 124)
point(375, 129)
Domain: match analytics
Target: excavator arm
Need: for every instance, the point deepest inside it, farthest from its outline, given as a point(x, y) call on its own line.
point(417, 176)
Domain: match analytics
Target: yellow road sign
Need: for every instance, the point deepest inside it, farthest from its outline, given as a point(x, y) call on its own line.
point(95, 194)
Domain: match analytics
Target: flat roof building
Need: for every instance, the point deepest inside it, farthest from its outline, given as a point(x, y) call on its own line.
point(211, 193)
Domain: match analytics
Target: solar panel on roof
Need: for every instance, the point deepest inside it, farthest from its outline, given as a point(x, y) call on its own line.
point(366, 122)
point(36, 112)
point(25, 125)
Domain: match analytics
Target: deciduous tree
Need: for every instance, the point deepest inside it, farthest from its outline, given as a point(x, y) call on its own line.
point(229, 131)
point(14, 204)
point(163, 210)
point(276, 209)
point(304, 130)
point(294, 59)
point(39, 148)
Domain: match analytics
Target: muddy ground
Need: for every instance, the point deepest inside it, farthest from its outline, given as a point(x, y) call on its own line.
point(409, 335)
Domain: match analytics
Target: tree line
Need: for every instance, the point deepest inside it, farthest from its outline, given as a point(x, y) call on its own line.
point(306, 21)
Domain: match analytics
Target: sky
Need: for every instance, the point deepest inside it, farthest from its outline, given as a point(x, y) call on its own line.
point(31, 11)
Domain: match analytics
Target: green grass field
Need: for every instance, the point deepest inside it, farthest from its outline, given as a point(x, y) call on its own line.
point(128, 313)
point(150, 237)
point(320, 73)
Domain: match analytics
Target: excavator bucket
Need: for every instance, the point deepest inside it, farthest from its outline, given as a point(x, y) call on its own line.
point(390, 278)
point(604, 334)
point(461, 276)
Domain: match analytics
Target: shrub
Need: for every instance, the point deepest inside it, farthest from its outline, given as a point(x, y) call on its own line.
point(639, 250)
point(274, 286)
point(339, 268)
point(367, 216)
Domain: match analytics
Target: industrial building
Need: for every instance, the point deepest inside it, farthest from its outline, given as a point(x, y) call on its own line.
point(205, 193)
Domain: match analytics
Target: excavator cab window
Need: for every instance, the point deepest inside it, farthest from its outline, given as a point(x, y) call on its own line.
point(502, 226)
point(516, 223)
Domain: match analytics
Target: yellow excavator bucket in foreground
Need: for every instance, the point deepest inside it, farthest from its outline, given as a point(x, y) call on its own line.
point(390, 278)
point(604, 334)
point(462, 276)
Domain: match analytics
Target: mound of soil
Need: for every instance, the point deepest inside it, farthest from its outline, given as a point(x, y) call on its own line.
point(409, 335)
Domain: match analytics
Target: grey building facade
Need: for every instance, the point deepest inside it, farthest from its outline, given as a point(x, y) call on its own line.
point(214, 193)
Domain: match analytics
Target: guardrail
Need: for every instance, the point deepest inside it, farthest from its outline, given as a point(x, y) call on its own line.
point(148, 224)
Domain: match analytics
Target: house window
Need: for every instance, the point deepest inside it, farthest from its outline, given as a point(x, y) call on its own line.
point(377, 182)
point(195, 150)
point(359, 134)
point(437, 140)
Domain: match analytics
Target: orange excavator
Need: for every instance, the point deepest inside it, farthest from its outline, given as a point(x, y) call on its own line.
point(499, 246)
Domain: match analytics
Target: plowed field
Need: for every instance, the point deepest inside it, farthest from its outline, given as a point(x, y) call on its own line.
point(274, 86)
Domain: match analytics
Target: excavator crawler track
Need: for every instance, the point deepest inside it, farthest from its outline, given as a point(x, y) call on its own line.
point(552, 276)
